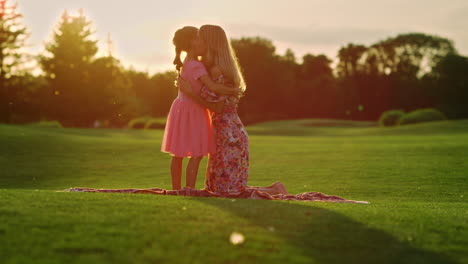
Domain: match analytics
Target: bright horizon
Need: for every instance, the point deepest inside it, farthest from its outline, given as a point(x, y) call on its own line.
point(142, 32)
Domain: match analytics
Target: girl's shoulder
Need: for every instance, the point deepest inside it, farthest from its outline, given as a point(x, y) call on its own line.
point(193, 63)
point(194, 69)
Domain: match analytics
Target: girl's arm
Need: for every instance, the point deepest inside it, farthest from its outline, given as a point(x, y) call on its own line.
point(219, 88)
point(185, 87)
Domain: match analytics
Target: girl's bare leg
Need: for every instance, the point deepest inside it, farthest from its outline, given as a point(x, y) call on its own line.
point(192, 171)
point(208, 171)
point(176, 172)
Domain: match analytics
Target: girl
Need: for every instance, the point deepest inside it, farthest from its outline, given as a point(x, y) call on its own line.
point(188, 131)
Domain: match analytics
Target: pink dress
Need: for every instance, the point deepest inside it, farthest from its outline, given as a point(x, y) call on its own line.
point(189, 131)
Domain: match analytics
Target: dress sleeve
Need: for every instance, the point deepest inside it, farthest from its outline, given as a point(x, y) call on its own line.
point(199, 70)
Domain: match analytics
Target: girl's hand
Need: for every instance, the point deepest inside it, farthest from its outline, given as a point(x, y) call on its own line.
point(219, 89)
point(237, 92)
point(184, 86)
point(232, 91)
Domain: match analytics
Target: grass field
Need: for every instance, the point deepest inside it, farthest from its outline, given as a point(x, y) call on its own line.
point(415, 178)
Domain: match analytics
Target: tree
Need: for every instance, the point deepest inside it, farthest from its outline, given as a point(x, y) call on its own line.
point(350, 77)
point(267, 76)
point(30, 95)
point(155, 93)
point(279, 87)
point(12, 37)
point(67, 67)
point(256, 56)
point(403, 60)
point(411, 54)
point(389, 74)
point(349, 57)
point(164, 92)
point(317, 87)
point(111, 97)
point(287, 97)
point(449, 85)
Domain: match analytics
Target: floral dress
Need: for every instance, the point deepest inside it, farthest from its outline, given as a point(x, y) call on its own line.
point(228, 168)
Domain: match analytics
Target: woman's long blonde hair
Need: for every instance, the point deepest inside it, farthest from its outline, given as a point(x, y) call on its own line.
point(221, 54)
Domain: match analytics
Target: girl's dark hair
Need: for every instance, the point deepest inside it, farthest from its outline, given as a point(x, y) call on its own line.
point(182, 40)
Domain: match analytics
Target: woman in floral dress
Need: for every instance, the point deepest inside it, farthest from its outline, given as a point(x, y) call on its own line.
point(228, 168)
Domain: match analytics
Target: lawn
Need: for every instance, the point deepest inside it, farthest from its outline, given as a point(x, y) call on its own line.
point(415, 178)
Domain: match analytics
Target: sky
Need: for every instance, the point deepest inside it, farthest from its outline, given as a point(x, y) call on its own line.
point(142, 30)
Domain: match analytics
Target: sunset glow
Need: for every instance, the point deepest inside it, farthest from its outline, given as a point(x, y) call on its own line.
point(142, 30)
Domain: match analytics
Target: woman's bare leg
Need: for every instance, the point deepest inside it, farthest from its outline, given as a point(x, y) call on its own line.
point(192, 171)
point(280, 187)
point(176, 172)
point(275, 188)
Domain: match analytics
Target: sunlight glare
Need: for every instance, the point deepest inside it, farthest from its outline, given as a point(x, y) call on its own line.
point(236, 238)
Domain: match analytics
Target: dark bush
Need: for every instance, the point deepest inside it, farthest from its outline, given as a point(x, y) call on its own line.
point(390, 118)
point(139, 122)
point(422, 115)
point(47, 123)
point(156, 123)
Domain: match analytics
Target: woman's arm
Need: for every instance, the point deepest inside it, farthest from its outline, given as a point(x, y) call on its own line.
point(185, 87)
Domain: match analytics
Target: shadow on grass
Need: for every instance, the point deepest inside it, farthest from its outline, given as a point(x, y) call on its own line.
point(327, 236)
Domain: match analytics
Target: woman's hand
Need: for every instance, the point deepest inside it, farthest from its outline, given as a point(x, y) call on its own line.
point(184, 86)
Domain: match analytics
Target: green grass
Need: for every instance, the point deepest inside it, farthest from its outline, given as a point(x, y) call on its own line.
point(414, 176)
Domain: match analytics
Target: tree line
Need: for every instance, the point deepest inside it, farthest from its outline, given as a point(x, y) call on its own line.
point(78, 88)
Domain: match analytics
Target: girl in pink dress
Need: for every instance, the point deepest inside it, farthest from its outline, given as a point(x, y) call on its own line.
point(188, 131)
